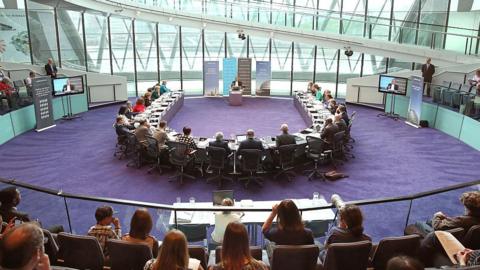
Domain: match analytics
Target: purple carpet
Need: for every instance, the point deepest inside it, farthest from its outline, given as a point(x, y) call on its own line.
point(392, 159)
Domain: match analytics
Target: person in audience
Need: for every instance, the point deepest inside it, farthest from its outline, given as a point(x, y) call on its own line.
point(187, 139)
point(122, 128)
point(328, 132)
point(285, 138)
point(475, 82)
point(327, 98)
point(9, 91)
point(404, 263)
point(51, 68)
point(342, 109)
point(236, 250)
point(221, 143)
point(123, 112)
point(10, 198)
point(28, 80)
point(318, 92)
point(310, 87)
point(139, 106)
point(222, 219)
point(129, 113)
point(250, 142)
point(428, 69)
point(142, 131)
point(173, 254)
point(103, 229)
point(156, 92)
point(140, 228)
point(22, 248)
point(160, 134)
point(349, 229)
point(340, 123)
point(289, 230)
point(332, 106)
point(163, 88)
point(147, 97)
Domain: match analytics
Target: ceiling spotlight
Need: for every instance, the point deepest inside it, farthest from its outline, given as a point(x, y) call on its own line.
point(204, 25)
point(170, 19)
point(348, 51)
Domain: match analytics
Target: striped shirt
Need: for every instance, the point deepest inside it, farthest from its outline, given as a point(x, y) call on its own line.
point(103, 233)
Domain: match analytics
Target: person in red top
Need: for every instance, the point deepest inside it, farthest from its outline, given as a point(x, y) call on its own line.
point(139, 106)
point(7, 90)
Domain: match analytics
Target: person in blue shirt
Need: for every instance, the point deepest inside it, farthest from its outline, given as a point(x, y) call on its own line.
point(163, 88)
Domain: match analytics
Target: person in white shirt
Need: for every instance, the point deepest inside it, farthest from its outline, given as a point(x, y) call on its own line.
point(222, 219)
point(28, 80)
point(475, 81)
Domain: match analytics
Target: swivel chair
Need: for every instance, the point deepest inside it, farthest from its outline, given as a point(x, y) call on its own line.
point(251, 163)
point(128, 256)
point(179, 158)
point(286, 155)
point(154, 155)
point(216, 162)
point(316, 151)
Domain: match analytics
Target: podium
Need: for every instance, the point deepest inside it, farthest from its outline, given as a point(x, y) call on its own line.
point(235, 98)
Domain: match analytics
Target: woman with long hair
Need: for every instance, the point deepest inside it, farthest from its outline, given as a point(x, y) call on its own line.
point(140, 228)
point(236, 250)
point(173, 254)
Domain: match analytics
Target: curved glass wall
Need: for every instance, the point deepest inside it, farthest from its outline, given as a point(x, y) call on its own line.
point(146, 52)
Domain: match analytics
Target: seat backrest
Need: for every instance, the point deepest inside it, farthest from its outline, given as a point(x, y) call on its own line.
point(393, 246)
point(178, 152)
point(315, 145)
point(457, 233)
point(51, 247)
point(216, 156)
point(194, 232)
point(255, 251)
point(251, 159)
point(286, 153)
point(80, 252)
point(472, 238)
point(128, 256)
point(338, 140)
point(199, 253)
point(348, 256)
point(152, 147)
point(295, 257)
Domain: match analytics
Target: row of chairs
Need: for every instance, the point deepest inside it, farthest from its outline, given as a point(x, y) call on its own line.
point(456, 95)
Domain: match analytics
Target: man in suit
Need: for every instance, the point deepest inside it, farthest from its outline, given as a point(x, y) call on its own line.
point(142, 131)
point(328, 132)
point(51, 68)
point(160, 134)
point(220, 143)
point(428, 70)
point(392, 86)
point(284, 138)
point(340, 123)
point(236, 83)
point(250, 142)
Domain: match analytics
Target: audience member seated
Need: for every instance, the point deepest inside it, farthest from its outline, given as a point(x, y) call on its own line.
point(236, 250)
point(10, 198)
point(327, 95)
point(140, 228)
point(349, 229)
point(160, 134)
point(103, 229)
point(123, 112)
point(155, 92)
point(130, 114)
point(343, 111)
point(250, 142)
point(220, 143)
point(122, 127)
point(284, 138)
point(22, 248)
point(28, 80)
point(187, 139)
point(51, 68)
point(289, 229)
point(332, 106)
point(310, 87)
point(139, 106)
point(222, 219)
point(404, 263)
point(163, 88)
point(440, 221)
point(147, 97)
point(328, 131)
point(340, 123)
point(475, 81)
point(318, 92)
point(142, 131)
point(173, 254)
point(7, 90)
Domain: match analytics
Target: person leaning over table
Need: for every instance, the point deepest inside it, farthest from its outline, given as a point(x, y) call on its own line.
point(160, 134)
point(328, 132)
point(310, 87)
point(285, 138)
point(220, 143)
point(187, 139)
point(163, 88)
point(289, 230)
point(155, 92)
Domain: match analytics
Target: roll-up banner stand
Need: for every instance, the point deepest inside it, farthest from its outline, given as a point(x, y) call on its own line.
point(415, 108)
point(245, 74)
point(211, 78)
point(42, 100)
point(229, 73)
point(263, 78)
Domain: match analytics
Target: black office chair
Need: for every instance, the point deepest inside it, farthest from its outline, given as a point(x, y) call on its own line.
point(194, 232)
point(394, 246)
point(199, 253)
point(80, 252)
point(338, 148)
point(121, 145)
point(128, 256)
point(316, 151)
point(295, 257)
point(180, 159)
point(154, 155)
point(134, 148)
point(348, 256)
point(286, 156)
point(251, 163)
point(216, 162)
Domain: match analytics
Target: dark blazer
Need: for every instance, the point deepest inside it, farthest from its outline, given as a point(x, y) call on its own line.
point(221, 144)
point(341, 125)
point(427, 73)
point(395, 86)
point(233, 83)
point(51, 70)
point(250, 144)
point(285, 139)
point(328, 133)
point(345, 118)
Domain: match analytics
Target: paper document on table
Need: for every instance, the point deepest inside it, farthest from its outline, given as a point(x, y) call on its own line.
point(184, 216)
point(451, 245)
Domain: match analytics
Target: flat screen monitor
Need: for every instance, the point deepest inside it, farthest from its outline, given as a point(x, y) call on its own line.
point(219, 195)
point(68, 86)
point(392, 85)
point(241, 138)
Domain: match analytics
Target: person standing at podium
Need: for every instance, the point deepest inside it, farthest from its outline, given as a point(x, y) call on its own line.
point(236, 84)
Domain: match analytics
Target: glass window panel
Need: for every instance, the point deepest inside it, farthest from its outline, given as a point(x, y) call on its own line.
point(373, 64)
point(96, 36)
point(146, 53)
point(169, 55)
point(433, 17)
point(192, 61)
point(349, 68)
point(303, 62)
point(461, 22)
point(42, 31)
point(326, 68)
point(215, 50)
point(405, 16)
point(353, 18)
point(329, 16)
point(71, 39)
point(304, 17)
point(236, 47)
point(281, 66)
point(14, 44)
point(258, 52)
point(122, 50)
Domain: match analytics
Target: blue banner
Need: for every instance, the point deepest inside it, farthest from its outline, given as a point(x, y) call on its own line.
point(229, 73)
point(416, 96)
point(211, 78)
point(263, 78)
